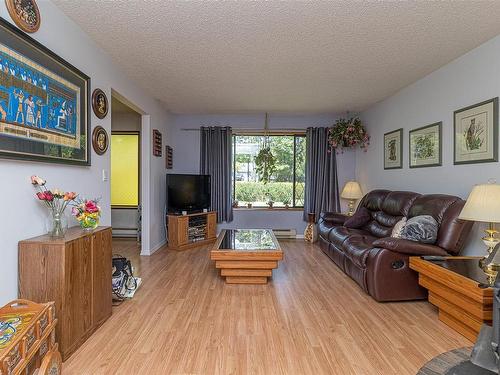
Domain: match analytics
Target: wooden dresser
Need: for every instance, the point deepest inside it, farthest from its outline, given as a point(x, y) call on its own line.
point(75, 272)
point(27, 339)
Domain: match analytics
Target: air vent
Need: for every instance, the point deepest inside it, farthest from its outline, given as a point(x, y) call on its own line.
point(285, 233)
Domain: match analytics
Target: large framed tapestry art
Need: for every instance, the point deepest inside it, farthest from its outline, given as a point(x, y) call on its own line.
point(44, 102)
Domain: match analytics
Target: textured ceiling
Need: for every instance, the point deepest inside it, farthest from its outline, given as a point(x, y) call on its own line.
point(207, 57)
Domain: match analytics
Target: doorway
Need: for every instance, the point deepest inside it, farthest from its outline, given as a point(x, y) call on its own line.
point(126, 202)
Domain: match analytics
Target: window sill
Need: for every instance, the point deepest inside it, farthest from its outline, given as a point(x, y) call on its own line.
point(268, 209)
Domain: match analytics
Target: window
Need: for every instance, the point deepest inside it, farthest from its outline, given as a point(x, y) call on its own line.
point(125, 169)
point(286, 186)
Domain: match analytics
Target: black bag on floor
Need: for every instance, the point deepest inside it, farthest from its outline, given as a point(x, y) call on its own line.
point(123, 279)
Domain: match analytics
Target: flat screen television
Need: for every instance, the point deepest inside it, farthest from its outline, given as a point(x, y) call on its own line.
point(188, 192)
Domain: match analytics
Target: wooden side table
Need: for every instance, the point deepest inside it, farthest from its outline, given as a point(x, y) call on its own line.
point(458, 287)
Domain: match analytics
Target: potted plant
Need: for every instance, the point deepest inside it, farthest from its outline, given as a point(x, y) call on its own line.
point(348, 133)
point(265, 164)
point(286, 202)
point(249, 205)
point(235, 204)
point(270, 203)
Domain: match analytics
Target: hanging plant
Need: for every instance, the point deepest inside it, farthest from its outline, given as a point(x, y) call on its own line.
point(348, 133)
point(265, 164)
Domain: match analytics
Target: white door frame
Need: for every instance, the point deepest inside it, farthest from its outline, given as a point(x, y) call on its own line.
point(145, 198)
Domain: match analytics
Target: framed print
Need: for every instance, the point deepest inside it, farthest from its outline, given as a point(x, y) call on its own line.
point(44, 103)
point(476, 133)
point(100, 140)
point(393, 149)
point(99, 103)
point(425, 146)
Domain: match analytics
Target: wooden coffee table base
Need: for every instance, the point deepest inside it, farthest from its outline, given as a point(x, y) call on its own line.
point(246, 272)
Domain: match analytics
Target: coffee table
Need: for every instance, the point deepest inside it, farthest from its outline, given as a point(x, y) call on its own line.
point(460, 289)
point(246, 256)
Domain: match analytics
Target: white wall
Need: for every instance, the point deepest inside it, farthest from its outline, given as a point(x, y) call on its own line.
point(186, 159)
point(470, 79)
point(22, 215)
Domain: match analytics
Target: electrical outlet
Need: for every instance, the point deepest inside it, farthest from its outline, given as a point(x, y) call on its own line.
point(105, 175)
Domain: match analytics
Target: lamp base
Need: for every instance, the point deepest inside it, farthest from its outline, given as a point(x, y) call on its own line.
point(350, 207)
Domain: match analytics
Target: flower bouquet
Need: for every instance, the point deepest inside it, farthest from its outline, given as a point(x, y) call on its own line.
point(348, 134)
point(56, 201)
point(87, 212)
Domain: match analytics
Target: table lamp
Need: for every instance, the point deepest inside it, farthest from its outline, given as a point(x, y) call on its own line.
point(351, 191)
point(483, 204)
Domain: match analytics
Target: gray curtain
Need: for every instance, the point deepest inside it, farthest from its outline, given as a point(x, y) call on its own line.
point(322, 188)
point(215, 160)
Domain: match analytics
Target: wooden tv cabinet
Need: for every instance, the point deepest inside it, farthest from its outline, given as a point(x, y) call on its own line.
point(75, 273)
point(187, 231)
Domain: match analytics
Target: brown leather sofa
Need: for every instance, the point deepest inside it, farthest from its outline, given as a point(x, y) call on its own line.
point(378, 262)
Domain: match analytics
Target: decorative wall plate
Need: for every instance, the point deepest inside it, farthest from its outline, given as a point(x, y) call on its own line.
point(100, 103)
point(25, 14)
point(100, 140)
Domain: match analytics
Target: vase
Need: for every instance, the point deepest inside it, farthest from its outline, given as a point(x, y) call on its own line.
point(89, 223)
point(311, 232)
point(56, 224)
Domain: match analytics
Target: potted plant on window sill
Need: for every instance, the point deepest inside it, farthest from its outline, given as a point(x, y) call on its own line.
point(270, 203)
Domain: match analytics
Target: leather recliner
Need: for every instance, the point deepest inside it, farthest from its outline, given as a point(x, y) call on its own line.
point(380, 263)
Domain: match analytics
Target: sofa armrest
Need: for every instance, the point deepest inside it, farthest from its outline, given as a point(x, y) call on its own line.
point(408, 247)
point(334, 217)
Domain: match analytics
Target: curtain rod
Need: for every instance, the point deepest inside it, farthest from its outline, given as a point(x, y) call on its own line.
point(252, 130)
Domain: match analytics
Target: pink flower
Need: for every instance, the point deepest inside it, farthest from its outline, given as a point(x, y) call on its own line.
point(91, 207)
point(35, 180)
point(49, 196)
point(41, 196)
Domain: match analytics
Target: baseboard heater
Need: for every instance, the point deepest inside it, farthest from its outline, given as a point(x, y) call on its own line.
point(285, 233)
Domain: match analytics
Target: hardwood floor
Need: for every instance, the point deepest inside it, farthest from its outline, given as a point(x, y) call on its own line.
point(310, 319)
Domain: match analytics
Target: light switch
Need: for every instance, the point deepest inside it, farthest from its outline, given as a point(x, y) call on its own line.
point(105, 175)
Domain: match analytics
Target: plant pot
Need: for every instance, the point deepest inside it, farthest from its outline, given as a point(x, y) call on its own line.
point(270, 204)
point(249, 205)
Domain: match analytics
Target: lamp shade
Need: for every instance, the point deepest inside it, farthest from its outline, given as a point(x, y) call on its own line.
point(483, 204)
point(351, 190)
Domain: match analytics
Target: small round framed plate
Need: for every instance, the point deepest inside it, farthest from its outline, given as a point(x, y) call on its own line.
point(100, 103)
point(25, 14)
point(100, 140)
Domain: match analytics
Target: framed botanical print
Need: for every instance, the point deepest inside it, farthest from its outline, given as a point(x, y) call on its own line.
point(44, 103)
point(425, 146)
point(393, 149)
point(476, 133)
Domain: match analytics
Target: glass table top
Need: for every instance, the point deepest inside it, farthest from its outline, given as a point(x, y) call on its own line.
point(465, 267)
point(248, 240)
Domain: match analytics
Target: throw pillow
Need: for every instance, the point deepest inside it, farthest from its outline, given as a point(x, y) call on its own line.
point(398, 228)
point(423, 228)
point(359, 219)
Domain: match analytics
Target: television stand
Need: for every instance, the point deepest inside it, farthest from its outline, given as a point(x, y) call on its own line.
point(188, 231)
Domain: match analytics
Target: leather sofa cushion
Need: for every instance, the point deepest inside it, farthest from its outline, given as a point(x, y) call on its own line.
point(434, 205)
point(374, 199)
point(398, 203)
point(359, 219)
point(338, 235)
point(357, 248)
